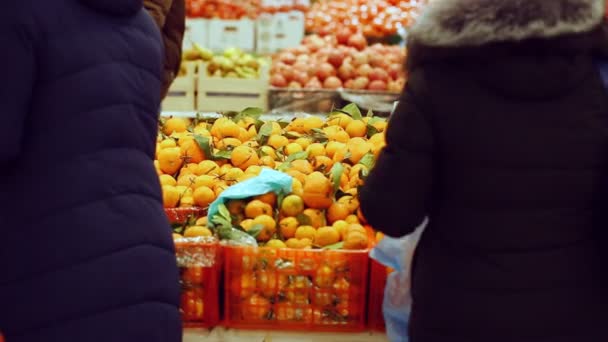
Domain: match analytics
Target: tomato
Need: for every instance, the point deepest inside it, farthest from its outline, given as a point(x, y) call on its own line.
point(192, 305)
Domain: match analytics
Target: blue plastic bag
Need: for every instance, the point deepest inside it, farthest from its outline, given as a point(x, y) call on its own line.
point(397, 254)
point(268, 181)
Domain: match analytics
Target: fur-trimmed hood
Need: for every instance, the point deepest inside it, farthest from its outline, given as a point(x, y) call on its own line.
point(452, 23)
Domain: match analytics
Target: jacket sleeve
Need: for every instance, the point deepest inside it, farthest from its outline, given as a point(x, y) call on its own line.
point(396, 195)
point(15, 95)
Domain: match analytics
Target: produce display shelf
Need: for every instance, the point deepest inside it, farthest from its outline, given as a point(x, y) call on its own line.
point(378, 277)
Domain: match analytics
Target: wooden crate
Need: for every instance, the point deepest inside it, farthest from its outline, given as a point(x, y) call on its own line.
point(217, 94)
point(182, 94)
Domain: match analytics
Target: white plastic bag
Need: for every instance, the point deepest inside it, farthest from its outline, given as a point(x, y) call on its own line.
point(397, 254)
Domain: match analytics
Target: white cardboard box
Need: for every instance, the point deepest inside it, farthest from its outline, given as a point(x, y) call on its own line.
point(182, 93)
point(216, 94)
point(224, 34)
point(197, 30)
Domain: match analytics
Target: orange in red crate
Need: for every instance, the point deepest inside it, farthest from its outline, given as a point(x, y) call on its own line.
point(289, 289)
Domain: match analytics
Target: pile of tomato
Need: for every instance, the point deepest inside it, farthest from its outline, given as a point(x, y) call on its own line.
point(373, 18)
point(223, 9)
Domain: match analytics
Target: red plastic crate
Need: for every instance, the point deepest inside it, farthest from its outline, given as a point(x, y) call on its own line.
point(377, 284)
point(182, 215)
point(288, 289)
point(199, 262)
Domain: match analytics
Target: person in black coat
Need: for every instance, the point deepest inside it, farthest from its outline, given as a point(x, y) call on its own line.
point(501, 140)
point(86, 252)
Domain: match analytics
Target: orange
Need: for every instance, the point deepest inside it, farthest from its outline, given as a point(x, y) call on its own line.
point(304, 142)
point(269, 282)
point(203, 196)
point(269, 227)
point(246, 122)
point(356, 128)
point(377, 139)
point(276, 244)
point(288, 227)
point(326, 236)
point(228, 129)
point(325, 276)
point(322, 163)
point(312, 122)
point(205, 180)
point(208, 167)
point(269, 198)
point(171, 196)
point(297, 125)
point(257, 208)
point(316, 217)
point(357, 170)
point(332, 147)
point(318, 191)
point(292, 205)
point(236, 207)
point(297, 188)
point(339, 136)
point(341, 120)
point(186, 180)
point(254, 169)
point(303, 166)
point(296, 175)
point(352, 219)
point(184, 190)
point(175, 125)
point(233, 175)
point(315, 150)
point(277, 141)
point(170, 161)
point(358, 148)
point(228, 143)
point(219, 187)
point(167, 143)
point(256, 308)
point(268, 161)
point(341, 226)
point(338, 211)
point(356, 240)
point(186, 202)
point(244, 285)
point(306, 232)
point(380, 125)
point(269, 151)
point(356, 228)
point(197, 231)
point(243, 157)
point(351, 202)
point(191, 152)
point(175, 237)
point(247, 224)
point(341, 154)
point(167, 180)
point(292, 148)
point(276, 128)
point(201, 221)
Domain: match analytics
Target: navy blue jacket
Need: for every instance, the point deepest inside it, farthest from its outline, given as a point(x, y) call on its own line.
point(85, 249)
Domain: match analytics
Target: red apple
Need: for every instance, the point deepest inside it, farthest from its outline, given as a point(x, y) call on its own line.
point(314, 83)
point(335, 58)
point(301, 77)
point(350, 84)
point(294, 85)
point(346, 71)
point(277, 80)
point(378, 60)
point(287, 58)
point(395, 70)
point(377, 86)
point(364, 70)
point(378, 74)
point(343, 35)
point(332, 82)
point(357, 41)
point(288, 73)
point(360, 83)
point(360, 58)
point(325, 70)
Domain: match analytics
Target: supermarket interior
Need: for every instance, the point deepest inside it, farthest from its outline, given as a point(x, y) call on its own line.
point(304, 89)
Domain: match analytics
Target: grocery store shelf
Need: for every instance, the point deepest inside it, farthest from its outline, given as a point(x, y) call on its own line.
point(222, 335)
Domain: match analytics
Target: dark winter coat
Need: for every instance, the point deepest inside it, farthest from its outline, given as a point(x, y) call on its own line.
point(170, 17)
point(501, 139)
point(85, 249)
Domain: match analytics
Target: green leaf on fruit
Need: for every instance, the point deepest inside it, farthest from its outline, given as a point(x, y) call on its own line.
point(297, 156)
point(283, 124)
point(368, 161)
point(204, 144)
point(225, 154)
point(250, 112)
point(352, 110)
point(371, 131)
point(255, 230)
point(264, 133)
point(336, 175)
point(339, 245)
point(284, 166)
point(289, 135)
point(370, 113)
point(224, 212)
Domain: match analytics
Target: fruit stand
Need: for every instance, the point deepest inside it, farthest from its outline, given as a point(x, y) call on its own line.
point(303, 89)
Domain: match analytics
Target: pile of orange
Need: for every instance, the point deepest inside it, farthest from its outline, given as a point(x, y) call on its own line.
point(328, 159)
